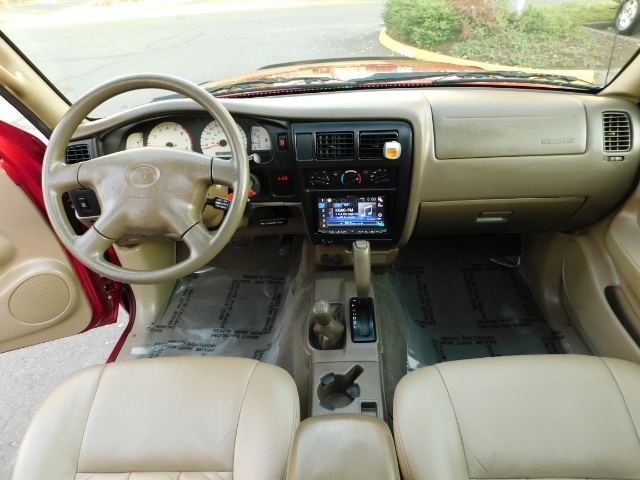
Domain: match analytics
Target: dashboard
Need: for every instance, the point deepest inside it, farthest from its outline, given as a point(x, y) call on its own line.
point(385, 165)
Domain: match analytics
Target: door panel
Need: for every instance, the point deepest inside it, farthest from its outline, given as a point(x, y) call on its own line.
point(601, 278)
point(45, 293)
point(40, 297)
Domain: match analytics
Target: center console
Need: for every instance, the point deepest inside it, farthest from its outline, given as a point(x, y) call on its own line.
point(355, 179)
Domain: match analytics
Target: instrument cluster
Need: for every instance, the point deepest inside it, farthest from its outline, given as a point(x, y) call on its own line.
point(202, 134)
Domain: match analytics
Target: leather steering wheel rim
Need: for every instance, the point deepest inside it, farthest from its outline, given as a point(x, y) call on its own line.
point(148, 191)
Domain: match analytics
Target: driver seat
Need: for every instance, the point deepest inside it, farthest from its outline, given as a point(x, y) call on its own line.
point(187, 418)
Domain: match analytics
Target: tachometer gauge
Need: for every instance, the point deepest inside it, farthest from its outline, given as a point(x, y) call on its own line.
point(260, 140)
point(214, 142)
point(169, 134)
point(134, 141)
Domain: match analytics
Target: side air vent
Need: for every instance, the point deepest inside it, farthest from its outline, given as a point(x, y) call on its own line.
point(617, 132)
point(334, 145)
point(78, 153)
point(372, 144)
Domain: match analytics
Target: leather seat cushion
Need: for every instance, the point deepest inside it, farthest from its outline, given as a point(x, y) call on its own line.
point(546, 416)
point(202, 417)
point(343, 445)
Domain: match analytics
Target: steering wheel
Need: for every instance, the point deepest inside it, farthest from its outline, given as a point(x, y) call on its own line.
point(145, 191)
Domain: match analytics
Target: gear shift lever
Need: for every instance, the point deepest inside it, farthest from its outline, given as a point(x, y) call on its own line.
point(361, 311)
point(327, 329)
point(362, 267)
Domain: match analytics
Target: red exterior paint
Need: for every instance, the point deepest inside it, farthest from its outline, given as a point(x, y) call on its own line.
point(21, 156)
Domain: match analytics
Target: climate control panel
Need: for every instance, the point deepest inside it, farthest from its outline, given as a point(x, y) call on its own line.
point(350, 178)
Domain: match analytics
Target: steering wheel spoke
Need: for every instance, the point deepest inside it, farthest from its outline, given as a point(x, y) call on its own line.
point(198, 239)
point(223, 172)
point(93, 244)
point(63, 177)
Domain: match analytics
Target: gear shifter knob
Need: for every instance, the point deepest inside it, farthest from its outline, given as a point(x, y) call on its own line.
point(322, 313)
point(327, 329)
point(362, 267)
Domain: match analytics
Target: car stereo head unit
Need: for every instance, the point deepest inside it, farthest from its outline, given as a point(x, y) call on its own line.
point(352, 214)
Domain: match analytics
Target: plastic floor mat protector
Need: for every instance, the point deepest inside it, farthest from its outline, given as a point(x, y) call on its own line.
point(460, 306)
point(219, 312)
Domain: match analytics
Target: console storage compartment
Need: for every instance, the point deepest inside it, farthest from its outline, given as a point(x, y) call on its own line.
point(343, 446)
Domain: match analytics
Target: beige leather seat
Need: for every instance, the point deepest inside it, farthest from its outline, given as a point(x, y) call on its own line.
point(198, 418)
point(548, 416)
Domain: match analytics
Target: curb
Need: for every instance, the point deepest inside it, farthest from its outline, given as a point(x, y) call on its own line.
point(427, 56)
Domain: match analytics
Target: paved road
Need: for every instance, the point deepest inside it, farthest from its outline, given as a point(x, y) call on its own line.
point(208, 41)
point(211, 40)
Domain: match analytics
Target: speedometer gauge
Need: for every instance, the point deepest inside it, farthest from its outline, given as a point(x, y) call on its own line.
point(260, 140)
point(169, 134)
point(214, 142)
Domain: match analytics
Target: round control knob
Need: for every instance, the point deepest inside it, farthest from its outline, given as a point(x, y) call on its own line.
point(351, 177)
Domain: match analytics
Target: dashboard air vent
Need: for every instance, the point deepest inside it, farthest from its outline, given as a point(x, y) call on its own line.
point(372, 143)
point(334, 145)
point(617, 132)
point(78, 153)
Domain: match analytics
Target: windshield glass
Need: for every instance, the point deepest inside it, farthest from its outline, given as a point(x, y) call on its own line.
point(78, 44)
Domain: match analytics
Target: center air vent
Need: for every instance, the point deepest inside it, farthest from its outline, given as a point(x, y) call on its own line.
point(372, 143)
point(334, 145)
point(617, 132)
point(78, 153)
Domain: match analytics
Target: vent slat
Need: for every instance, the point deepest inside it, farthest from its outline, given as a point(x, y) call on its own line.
point(372, 143)
point(333, 145)
point(78, 153)
point(617, 132)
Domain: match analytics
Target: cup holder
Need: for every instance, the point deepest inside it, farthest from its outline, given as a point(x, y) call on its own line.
point(338, 390)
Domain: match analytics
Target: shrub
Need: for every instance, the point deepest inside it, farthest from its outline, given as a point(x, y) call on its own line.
point(479, 17)
point(423, 23)
point(541, 20)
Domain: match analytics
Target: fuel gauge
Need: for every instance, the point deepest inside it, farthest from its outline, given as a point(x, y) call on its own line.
point(135, 140)
point(260, 140)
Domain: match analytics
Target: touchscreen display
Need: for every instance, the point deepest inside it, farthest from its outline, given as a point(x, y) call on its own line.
point(352, 214)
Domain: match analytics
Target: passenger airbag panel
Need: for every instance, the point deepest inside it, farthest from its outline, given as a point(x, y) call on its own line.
point(469, 125)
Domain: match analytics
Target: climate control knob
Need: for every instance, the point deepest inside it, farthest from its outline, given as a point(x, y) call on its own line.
point(351, 177)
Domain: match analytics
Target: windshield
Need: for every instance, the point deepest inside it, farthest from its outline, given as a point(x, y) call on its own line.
point(78, 44)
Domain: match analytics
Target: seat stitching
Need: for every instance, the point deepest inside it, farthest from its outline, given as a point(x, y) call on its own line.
point(84, 430)
point(624, 400)
point(296, 413)
point(404, 459)
point(235, 439)
point(455, 415)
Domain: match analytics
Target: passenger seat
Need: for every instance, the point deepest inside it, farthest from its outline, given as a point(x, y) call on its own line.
point(543, 416)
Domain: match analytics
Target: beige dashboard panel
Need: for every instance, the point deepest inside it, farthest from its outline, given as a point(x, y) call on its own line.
point(590, 175)
point(495, 215)
point(466, 125)
point(40, 296)
point(510, 173)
